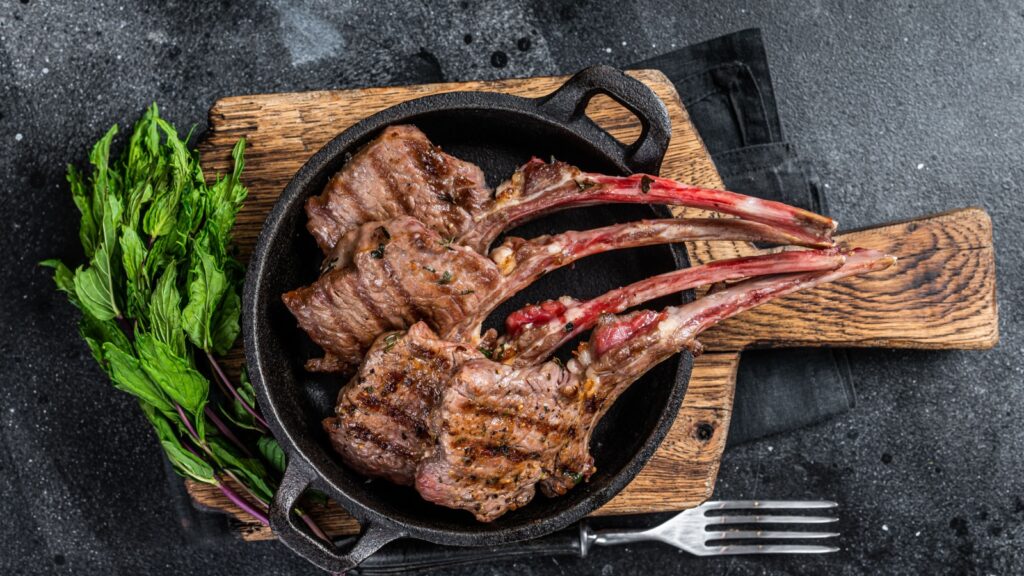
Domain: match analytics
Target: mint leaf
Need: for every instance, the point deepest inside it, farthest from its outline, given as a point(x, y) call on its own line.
point(145, 161)
point(94, 285)
point(245, 390)
point(97, 332)
point(165, 312)
point(225, 199)
point(238, 412)
point(162, 214)
point(316, 497)
point(128, 376)
point(163, 253)
point(133, 252)
point(248, 469)
point(63, 278)
point(185, 462)
point(88, 228)
point(133, 255)
point(239, 416)
point(139, 196)
point(103, 182)
point(225, 327)
point(183, 165)
point(173, 374)
point(272, 452)
point(206, 287)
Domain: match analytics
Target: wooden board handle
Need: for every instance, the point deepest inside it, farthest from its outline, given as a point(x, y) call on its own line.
point(940, 294)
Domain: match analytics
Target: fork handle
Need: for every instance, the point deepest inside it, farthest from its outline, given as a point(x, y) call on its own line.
point(414, 558)
point(610, 537)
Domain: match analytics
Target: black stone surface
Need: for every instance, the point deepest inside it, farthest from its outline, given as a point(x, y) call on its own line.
point(906, 108)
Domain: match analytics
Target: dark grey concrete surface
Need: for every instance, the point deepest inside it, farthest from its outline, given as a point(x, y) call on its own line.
point(907, 108)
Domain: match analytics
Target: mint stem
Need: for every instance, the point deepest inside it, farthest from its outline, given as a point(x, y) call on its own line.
point(313, 526)
point(234, 393)
point(224, 488)
point(305, 517)
point(188, 423)
point(243, 503)
point(126, 327)
point(223, 428)
point(248, 490)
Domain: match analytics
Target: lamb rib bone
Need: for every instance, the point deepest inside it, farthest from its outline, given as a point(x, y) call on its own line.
point(532, 332)
point(502, 430)
point(388, 275)
point(539, 188)
point(380, 427)
point(402, 173)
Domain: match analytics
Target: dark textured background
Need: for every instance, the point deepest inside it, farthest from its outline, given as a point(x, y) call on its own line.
point(906, 109)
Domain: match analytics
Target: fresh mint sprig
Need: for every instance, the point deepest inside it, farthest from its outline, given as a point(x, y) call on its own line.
point(160, 292)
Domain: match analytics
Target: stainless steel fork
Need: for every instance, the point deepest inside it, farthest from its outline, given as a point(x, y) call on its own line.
point(711, 529)
point(701, 533)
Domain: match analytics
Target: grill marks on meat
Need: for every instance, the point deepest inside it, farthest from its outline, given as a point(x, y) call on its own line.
point(400, 172)
point(621, 349)
point(381, 427)
point(488, 458)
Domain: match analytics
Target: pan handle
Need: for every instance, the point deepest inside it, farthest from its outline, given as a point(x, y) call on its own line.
point(569, 103)
point(327, 556)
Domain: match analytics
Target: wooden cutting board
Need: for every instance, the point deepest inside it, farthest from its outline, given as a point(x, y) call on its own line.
point(941, 294)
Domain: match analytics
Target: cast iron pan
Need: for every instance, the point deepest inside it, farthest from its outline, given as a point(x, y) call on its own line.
point(498, 132)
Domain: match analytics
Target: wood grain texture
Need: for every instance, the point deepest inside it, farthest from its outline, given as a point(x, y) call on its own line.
point(941, 294)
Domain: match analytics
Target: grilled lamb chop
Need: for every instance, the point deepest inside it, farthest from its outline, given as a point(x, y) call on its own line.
point(386, 276)
point(503, 430)
point(402, 173)
point(381, 423)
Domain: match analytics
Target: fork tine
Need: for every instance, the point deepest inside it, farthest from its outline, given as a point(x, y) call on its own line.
point(765, 534)
point(769, 519)
point(770, 549)
point(767, 505)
